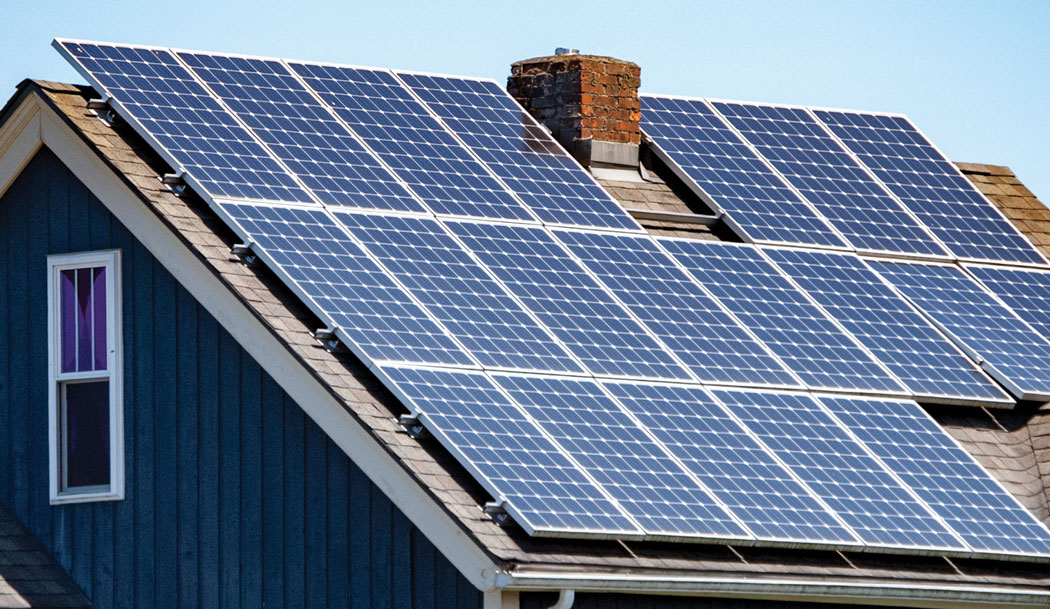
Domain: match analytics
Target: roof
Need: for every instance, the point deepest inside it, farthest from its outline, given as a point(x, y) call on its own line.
point(29, 576)
point(993, 439)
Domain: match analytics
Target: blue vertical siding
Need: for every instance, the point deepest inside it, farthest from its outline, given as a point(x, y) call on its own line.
point(235, 499)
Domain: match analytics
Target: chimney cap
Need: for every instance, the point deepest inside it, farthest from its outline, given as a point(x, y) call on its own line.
point(566, 51)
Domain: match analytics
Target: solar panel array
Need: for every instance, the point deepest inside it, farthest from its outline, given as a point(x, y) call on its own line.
point(594, 380)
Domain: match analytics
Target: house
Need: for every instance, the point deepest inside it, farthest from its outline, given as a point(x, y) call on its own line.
point(257, 467)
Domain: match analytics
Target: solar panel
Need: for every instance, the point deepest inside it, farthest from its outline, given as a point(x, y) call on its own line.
point(567, 300)
point(190, 127)
point(1025, 291)
point(703, 335)
point(543, 490)
point(643, 479)
point(411, 141)
point(836, 467)
point(521, 152)
point(781, 316)
point(833, 182)
point(731, 174)
point(301, 132)
point(931, 186)
point(899, 337)
point(1008, 348)
point(459, 292)
point(733, 466)
point(945, 476)
point(318, 260)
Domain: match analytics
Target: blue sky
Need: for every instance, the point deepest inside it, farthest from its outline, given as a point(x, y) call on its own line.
point(975, 76)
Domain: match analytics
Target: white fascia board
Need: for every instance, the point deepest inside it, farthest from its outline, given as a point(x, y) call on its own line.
point(19, 140)
point(248, 330)
point(824, 590)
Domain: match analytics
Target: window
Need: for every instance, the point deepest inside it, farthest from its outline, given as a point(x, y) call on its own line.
point(84, 363)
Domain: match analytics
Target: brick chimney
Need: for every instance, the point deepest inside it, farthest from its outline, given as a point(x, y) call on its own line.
point(590, 104)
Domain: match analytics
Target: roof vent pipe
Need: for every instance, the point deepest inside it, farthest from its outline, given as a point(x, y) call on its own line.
point(565, 599)
point(566, 51)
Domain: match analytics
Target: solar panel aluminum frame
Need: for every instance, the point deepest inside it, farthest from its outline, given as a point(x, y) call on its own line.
point(691, 378)
point(517, 515)
point(955, 442)
point(984, 364)
point(584, 373)
point(924, 398)
point(721, 212)
point(864, 168)
point(316, 309)
point(154, 143)
point(539, 127)
point(956, 171)
point(866, 547)
point(323, 105)
point(701, 539)
point(759, 541)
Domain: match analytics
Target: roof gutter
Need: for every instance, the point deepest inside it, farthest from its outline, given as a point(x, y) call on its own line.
point(912, 594)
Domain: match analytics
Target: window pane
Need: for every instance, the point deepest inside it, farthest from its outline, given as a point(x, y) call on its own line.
point(86, 441)
point(99, 297)
point(84, 319)
point(68, 321)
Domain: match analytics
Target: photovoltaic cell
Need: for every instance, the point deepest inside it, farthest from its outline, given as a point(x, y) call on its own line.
point(667, 300)
point(519, 151)
point(722, 165)
point(731, 463)
point(545, 492)
point(768, 304)
point(316, 257)
point(301, 132)
point(646, 482)
point(836, 467)
point(1012, 351)
point(898, 336)
point(943, 475)
point(458, 292)
point(411, 141)
point(817, 165)
point(1026, 292)
point(934, 189)
point(568, 300)
point(184, 119)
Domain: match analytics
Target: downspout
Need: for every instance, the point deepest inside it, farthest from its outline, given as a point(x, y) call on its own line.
point(565, 599)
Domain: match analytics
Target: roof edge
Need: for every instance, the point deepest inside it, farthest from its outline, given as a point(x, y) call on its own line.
point(913, 594)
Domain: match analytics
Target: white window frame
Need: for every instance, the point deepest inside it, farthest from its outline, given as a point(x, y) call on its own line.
point(110, 259)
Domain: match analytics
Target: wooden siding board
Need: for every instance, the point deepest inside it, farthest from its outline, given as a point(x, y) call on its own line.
point(336, 535)
point(294, 473)
point(165, 423)
point(234, 498)
point(229, 473)
point(273, 433)
point(251, 484)
point(143, 492)
point(187, 356)
point(315, 525)
point(208, 458)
